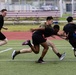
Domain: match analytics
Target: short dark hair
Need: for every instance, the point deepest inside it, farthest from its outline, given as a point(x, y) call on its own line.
point(49, 18)
point(69, 19)
point(3, 10)
point(56, 27)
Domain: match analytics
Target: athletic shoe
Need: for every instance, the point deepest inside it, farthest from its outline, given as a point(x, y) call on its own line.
point(40, 61)
point(26, 42)
point(13, 54)
point(62, 56)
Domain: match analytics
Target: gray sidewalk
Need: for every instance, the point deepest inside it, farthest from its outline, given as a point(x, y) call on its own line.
point(12, 22)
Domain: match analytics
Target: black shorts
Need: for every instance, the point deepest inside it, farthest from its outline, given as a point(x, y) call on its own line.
point(72, 41)
point(2, 36)
point(38, 39)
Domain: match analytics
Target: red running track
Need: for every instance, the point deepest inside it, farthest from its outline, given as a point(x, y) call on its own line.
point(23, 36)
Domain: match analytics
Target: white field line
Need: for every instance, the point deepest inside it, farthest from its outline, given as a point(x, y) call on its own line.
point(6, 50)
point(34, 60)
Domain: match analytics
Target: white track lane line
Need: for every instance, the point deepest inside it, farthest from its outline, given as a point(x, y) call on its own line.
point(6, 50)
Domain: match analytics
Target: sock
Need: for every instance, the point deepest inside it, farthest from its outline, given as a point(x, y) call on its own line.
point(58, 54)
point(29, 43)
point(40, 58)
point(17, 52)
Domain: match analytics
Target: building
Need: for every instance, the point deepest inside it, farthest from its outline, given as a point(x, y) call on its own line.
point(24, 5)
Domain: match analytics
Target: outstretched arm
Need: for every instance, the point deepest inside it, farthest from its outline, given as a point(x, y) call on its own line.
point(62, 35)
point(32, 30)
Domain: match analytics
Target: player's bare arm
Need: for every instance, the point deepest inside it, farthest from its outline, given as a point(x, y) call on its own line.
point(62, 35)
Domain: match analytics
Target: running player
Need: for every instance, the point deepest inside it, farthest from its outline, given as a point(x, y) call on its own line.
point(46, 34)
point(2, 36)
point(70, 32)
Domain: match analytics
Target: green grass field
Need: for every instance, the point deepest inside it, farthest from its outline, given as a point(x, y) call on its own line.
point(26, 27)
point(24, 64)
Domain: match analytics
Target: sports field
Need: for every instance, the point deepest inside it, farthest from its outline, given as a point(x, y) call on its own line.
point(24, 64)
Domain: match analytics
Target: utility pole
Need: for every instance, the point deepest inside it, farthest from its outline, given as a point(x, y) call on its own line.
point(61, 7)
point(72, 7)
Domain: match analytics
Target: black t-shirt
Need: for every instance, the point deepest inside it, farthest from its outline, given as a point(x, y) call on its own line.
point(69, 29)
point(48, 31)
point(39, 32)
point(1, 21)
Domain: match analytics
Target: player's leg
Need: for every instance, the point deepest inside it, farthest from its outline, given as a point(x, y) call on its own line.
point(51, 44)
point(45, 46)
point(16, 52)
point(36, 39)
point(73, 43)
point(25, 51)
point(3, 39)
point(55, 50)
point(35, 48)
point(3, 42)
